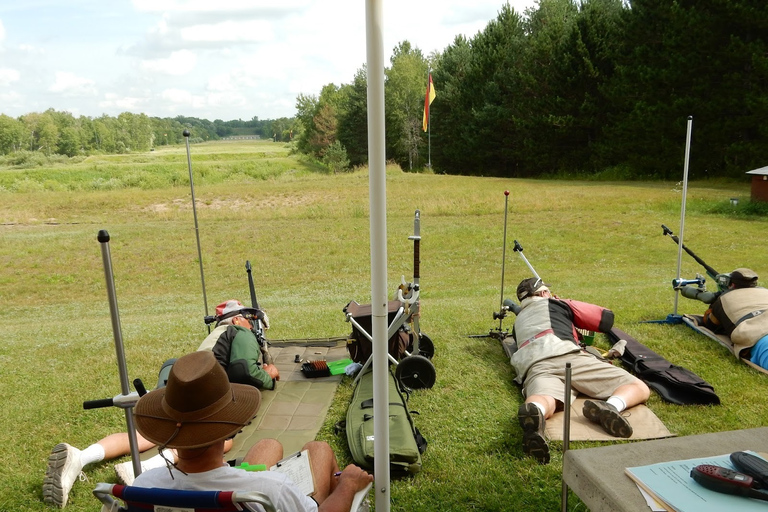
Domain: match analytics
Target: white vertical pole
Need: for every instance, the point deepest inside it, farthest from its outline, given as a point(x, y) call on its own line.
point(682, 209)
point(378, 221)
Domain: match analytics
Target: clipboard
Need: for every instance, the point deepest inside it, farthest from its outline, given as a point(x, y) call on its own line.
point(297, 467)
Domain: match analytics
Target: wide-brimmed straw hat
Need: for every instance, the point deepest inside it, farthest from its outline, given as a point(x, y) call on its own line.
point(197, 407)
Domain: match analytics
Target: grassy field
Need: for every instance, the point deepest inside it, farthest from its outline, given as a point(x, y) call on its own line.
point(306, 234)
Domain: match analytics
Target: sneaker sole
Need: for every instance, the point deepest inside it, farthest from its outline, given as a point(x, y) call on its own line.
point(53, 493)
point(615, 424)
point(529, 418)
point(592, 411)
point(612, 421)
point(124, 474)
point(536, 446)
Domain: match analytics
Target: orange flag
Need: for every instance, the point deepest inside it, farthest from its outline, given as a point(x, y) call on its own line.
point(428, 99)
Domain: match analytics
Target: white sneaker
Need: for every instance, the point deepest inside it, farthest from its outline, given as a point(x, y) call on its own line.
point(124, 470)
point(64, 467)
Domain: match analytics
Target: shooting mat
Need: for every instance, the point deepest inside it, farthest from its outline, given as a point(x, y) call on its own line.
point(695, 321)
point(295, 410)
point(645, 424)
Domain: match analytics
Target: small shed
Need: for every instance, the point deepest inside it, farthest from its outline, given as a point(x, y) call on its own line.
point(759, 184)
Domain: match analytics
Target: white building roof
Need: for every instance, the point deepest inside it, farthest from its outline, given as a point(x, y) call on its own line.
point(762, 170)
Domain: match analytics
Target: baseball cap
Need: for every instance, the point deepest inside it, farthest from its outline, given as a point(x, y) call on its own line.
point(744, 278)
point(528, 287)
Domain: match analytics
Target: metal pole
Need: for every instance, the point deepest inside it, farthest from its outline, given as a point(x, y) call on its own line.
point(416, 277)
point(197, 230)
point(378, 226)
point(566, 428)
point(103, 238)
point(429, 120)
point(519, 250)
point(503, 258)
point(682, 209)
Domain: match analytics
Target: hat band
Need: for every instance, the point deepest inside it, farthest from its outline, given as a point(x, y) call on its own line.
point(180, 424)
point(199, 414)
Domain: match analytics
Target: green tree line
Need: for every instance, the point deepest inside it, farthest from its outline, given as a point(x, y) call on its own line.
point(61, 133)
point(571, 86)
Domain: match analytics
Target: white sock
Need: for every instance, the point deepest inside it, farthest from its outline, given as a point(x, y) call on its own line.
point(541, 408)
point(94, 453)
point(617, 402)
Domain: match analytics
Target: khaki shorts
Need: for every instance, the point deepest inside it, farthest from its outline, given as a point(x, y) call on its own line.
point(589, 376)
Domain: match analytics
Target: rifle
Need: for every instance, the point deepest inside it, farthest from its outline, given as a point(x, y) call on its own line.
point(258, 326)
point(721, 279)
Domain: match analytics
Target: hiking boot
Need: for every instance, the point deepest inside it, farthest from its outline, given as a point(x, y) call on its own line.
point(64, 467)
point(532, 422)
point(608, 417)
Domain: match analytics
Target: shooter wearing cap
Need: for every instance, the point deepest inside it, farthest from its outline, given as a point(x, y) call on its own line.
point(546, 339)
point(739, 312)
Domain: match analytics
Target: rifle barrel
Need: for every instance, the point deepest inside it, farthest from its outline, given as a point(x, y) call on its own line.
point(710, 271)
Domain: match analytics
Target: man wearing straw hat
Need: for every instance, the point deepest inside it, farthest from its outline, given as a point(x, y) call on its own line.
point(198, 410)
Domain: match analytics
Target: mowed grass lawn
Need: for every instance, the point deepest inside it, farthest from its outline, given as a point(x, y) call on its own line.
point(307, 235)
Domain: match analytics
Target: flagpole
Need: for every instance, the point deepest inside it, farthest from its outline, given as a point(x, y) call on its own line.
point(429, 122)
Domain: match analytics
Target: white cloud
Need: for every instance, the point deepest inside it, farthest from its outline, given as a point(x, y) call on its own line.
point(69, 84)
point(186, 6)
point(2, 31)
point(179, 96)
point(8, 76)
point(122, 103)
point(179, 63)
point(221, 83)
point(229, 31)
point(11, 98)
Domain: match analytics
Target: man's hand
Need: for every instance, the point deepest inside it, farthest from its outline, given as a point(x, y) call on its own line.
point(271, 370)
point(355, 478)
point(349, 482)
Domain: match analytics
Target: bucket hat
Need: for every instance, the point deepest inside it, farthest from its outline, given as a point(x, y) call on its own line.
point(197, 407)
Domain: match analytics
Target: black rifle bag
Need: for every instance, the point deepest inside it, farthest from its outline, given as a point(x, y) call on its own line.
point(674, 384)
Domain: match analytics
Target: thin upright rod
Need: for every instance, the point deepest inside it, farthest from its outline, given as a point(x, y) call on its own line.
point(682, 208)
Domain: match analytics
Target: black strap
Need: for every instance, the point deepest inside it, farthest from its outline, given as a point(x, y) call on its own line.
point(748, 316)
point(368, 404)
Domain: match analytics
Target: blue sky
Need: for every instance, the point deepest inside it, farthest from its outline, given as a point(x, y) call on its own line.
point(225, 59)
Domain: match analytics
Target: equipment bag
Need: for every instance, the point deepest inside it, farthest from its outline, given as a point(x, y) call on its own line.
point(406, 444)
point(674, 384)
